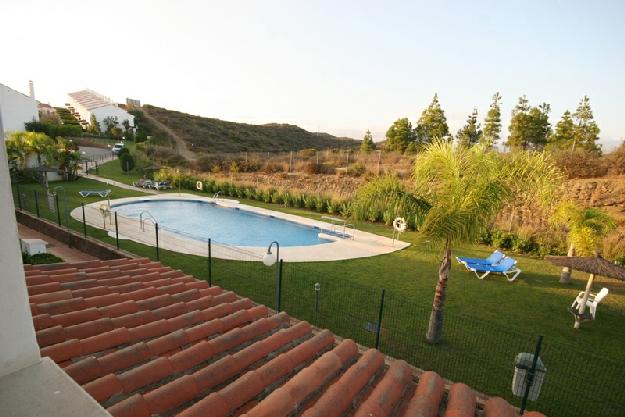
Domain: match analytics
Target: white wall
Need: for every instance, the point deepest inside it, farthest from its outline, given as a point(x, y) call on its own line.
point(102, 113)
point(18, 346)
point(16, 109)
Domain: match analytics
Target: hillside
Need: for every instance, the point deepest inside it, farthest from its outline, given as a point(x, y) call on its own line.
point(215, 135)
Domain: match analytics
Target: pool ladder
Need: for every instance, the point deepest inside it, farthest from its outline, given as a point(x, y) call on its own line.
point(216, 195)
point(142, 220)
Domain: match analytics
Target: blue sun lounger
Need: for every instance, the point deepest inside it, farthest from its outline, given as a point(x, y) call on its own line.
point(493, 259)
point(506, 267)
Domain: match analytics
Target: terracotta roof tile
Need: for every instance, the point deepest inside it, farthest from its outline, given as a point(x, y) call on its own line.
point(461, 401)
point(145, 340)
point(287, 399)
point(427, 397)
point(339, 397)
point(387, 392)
point(498, 407)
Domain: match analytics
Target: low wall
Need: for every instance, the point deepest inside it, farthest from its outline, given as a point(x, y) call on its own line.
point(86, 245)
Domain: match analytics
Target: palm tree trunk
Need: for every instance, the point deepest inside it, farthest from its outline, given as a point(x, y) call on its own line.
point(565, 275)
point(435, 329)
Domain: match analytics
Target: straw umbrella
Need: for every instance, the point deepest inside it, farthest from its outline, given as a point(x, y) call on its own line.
point(594, 265)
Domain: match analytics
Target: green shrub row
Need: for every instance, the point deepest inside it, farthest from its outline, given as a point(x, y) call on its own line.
point(538, 244)
point(318, 203)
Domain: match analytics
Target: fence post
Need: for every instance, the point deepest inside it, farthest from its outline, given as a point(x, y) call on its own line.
point(116, 232)
point(58, 209)
point(530, 374)
point(379, 327)
point(158, 255)
point(96, 167)
point(19, 196)
point(210, 263)
point(36, 204)
point(290, 161)
point(84, 222)
point(379, 157)
point(279, 286)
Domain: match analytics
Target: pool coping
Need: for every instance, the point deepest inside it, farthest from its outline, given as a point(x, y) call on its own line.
point(363, 245)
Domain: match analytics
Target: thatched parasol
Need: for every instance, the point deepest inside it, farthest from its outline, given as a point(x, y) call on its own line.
point(594, 265)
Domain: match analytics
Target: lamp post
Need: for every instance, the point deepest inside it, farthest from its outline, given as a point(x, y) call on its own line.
point(269, 259)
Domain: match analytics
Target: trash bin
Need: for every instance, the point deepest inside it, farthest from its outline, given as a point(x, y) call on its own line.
point(522, 365)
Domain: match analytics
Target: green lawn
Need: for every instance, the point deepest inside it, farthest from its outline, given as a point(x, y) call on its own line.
point(487, 322)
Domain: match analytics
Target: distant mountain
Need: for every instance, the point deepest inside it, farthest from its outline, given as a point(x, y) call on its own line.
point(215, 135)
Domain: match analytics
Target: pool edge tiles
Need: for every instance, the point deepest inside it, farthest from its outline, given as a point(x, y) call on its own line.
point(364, 244)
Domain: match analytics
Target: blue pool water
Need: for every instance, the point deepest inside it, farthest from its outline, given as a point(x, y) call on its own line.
point(202, 220)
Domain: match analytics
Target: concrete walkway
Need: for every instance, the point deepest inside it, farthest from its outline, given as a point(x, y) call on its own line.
point(55, 247)
point(119, 184)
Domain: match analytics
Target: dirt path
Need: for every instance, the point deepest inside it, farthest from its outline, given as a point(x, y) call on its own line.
point(179, 144)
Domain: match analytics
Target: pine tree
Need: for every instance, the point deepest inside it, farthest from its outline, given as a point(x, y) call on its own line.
point(367, 144)
point(586, 129)
point(471, 132)
point(563, 136)
point(539, 126)
point(94, 126)
point(432, 123)
point(529, 127)
point(492, 123)
point(399, 135)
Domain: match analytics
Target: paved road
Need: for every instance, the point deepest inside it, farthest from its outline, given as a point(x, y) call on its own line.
point(96, 154)
point(119, 184)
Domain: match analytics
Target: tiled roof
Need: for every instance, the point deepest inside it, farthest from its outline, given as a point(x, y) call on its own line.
point(90, 99)
point(145, 340)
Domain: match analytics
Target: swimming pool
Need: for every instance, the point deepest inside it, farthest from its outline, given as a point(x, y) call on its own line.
point(202, 220)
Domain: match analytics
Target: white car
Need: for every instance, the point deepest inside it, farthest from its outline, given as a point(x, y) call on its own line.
point(117, 147)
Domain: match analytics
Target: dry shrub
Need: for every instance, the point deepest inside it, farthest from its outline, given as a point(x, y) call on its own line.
point(615, 161)
point(580, 164)
point(272, 167)
point(614, 247)
point(307, 167)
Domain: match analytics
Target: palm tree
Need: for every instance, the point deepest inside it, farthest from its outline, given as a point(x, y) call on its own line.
point(466, 189)
point(585, 227)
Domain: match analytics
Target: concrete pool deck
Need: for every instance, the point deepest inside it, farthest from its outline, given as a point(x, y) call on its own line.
point(363, 244)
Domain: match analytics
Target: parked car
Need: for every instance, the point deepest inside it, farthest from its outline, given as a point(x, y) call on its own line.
point(117, 147)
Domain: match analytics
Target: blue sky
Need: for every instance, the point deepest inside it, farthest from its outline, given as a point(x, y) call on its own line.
point(342, 67)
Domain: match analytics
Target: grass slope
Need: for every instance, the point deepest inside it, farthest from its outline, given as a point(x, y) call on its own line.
point(214, 135)
point(487, 322)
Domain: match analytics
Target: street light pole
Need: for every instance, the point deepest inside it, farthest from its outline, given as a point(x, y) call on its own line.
point(269, 260)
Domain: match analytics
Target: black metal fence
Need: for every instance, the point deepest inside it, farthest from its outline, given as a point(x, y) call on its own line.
point(477, 352)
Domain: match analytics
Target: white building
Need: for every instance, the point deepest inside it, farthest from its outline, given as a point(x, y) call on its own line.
point(85, 103)
point(16, 109)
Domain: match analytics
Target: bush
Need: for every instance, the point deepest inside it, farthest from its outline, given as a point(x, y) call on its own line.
point(40, 258)
point(356, 170)
point(580, 164)
point(505, 240)
point(614, 247)
point(234, 167)
point(127, 162)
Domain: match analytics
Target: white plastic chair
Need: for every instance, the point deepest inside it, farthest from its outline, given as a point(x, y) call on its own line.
point(592, 302)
